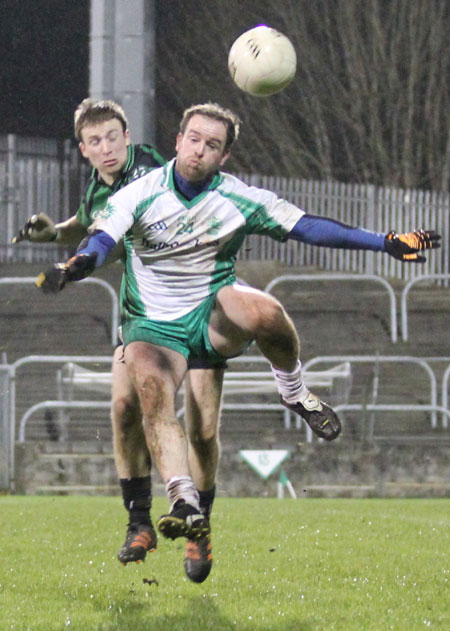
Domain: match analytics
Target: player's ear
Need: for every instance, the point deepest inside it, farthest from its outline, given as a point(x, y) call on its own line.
point(127, 137)
point(225, 157)
point(178, 141)
point(82, 148)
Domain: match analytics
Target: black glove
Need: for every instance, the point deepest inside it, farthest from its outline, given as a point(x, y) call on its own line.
point(56, 277)
point(405, 247)
point(38, 229)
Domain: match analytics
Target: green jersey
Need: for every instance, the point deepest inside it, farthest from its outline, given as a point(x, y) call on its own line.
point(140, 160)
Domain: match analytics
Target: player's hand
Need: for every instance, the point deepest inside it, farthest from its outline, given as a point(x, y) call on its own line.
point(57, 276)
point(38, 229)
point(405, 247)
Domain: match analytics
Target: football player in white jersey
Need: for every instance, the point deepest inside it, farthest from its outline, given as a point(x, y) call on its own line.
point(182, 226)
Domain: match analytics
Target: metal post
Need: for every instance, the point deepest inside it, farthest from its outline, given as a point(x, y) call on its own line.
point(11, 194)
point(4, 430)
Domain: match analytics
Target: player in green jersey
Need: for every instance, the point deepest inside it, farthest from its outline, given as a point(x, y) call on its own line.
point(101, 127)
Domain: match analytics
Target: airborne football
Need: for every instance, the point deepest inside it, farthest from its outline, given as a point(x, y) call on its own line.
point(262, 61)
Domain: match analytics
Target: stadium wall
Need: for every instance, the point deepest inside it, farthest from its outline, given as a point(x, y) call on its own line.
point(383, 469)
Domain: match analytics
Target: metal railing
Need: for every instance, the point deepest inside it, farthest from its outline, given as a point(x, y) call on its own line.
point(58, 405)
point(386, 407)
point(404, 296)
point(12, 371)
point(433, 405)
point(8, 376)
point(5, 442)
point(445, 379)
point(240, 382)
point(21, 280)
point(344, 277)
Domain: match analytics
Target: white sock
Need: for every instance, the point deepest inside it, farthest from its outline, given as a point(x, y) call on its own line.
point(290, 384)
point(182, 488)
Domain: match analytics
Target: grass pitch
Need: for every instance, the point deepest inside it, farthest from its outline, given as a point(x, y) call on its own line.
point(279, 565)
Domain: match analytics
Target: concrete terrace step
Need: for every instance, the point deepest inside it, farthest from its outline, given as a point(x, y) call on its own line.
point(90, 489)
point(77, 489)
point(76, 456)
point(384, 489)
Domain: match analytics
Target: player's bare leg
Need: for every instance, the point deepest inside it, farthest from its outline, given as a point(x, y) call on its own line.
point(156, 373)
point(202, 415)
point(133, 464)
point(131, 454)
point(242, 314)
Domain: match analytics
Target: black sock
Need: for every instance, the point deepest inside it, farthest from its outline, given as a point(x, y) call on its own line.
point(137, 498)
point(207, 500)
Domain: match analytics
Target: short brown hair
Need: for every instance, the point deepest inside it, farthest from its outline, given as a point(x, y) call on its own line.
point(213, 110)
point(93, 112)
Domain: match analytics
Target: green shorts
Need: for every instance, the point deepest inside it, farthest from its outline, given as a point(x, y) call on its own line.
point(187, 335)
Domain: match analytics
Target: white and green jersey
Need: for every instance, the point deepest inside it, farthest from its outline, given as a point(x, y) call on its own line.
point(179, 252)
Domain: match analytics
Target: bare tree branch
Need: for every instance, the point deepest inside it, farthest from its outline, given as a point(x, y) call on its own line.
point(370, 101)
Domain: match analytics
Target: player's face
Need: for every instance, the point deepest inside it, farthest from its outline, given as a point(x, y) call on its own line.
point(201, 148)
point(105, 146)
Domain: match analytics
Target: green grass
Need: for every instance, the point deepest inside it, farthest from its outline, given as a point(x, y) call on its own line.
point(281, 565)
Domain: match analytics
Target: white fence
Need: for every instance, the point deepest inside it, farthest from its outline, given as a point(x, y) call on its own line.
point(46, 175)
point(36, 175)
point(371, 207)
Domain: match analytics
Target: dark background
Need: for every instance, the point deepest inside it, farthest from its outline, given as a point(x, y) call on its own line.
point(44, 52)
point(370, 102)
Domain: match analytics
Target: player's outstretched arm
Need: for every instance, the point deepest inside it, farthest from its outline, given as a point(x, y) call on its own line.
point(406, 247)
point(91, 253)
point(37, 229)
point(322, 231)
point(57, 276)
point(41, 228)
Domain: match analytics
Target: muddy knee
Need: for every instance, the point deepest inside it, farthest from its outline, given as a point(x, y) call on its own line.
point(125, 412)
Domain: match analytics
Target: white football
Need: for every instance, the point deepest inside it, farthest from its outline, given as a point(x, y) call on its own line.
point(262, 61)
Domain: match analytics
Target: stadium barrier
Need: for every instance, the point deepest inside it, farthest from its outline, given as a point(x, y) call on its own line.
point(404, 297)
point(444, 403)
point(432, 406)
point(58, 405)
point(18, 280)
point(239, 382)
point(5, 442)
point(11, 388)
point(72, 377)
point(389, 407)
point(343, 277)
